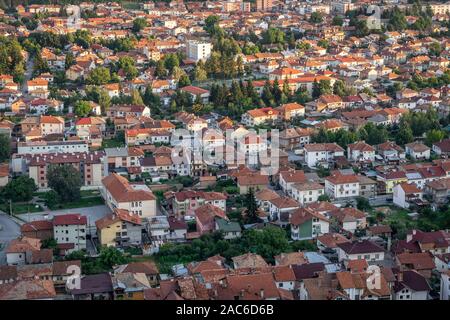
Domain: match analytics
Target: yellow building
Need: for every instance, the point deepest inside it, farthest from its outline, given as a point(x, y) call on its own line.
point(119, 229)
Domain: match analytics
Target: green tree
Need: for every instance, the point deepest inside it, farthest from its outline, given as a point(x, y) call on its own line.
point(99, 76)
point(19, 189)
point(316, 17)
point(136, 97)
point(139, 24)
point(405, 134)
point(70, 60)
point(171, 61)
point(110, 256)
point(82, 108)
point(363, 204)
point(251, 206)
point(5, 147)
point(338, 21)
point(200, 72)
point(40, 65)
point(128, 66)
point(434, 135)
point(65, 180)
point(324, 197)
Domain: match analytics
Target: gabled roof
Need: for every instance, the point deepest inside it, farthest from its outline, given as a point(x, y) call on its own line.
point(360, 247)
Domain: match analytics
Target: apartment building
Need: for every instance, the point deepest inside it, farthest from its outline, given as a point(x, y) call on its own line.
point(88, 164)
point(69, 231)
point(119, 193)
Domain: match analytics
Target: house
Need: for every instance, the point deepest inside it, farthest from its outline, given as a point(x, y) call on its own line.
point(438, 190)
point(29, 289)
point(307, 224)
point(259, 116)
point(411, 285)
point(284, 277)
point(442, 148)
point(293, 138)
point(291, 258)
point(322, 154)
point(119, 193)
point(249, 287)
point(356, 286)
point(406, 194)
point(281, 205)
point(17, 249)
point(360, 249)
point(196, 93)
point(391, 152)
point(340, 186)
point(39, 229)
point(187, 201)
point(387, 181)
point(330, 241)
point(229, 229)
point(94, 287)
point(70, 230)
point(307, 192)
point(350, 219)
point(445, 286)
point(360, 152)
point(252, 180)
point(288, 111)
point(436, 242)
point(289, 178)
point(129, 285)
point(205, 217)
point(422, 262)
point(148, 268)
point(61, 273)
point(367, 187)
point(263, 198)
point(119, 229)
point(417, 151)
point(249, 260)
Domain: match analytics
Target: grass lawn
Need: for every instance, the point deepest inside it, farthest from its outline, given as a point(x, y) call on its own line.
point(112, 143)
point(89, 193)
point(130, 5)
point(83, 202)
point(20, 208)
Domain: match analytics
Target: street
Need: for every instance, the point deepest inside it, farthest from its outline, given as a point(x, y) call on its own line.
point(9, 230)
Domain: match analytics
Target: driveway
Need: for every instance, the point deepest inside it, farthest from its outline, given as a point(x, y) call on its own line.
point(9, 230)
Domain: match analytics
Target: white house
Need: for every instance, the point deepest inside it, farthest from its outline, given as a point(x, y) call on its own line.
point(289, 178)
point(360, 152)
point(417, 151)
point(136, 198)
point(411, 285)
point(445, 286)
point(307, 192)
point(360, 249)
point(281, 205)
point(405, 194)
point(341, 186)
point(70, 229)
point(321, 153)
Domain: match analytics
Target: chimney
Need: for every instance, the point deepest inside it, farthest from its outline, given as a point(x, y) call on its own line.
point(261, 293)
point(400, 276)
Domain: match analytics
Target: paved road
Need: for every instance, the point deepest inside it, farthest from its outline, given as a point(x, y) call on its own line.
point(9, 231)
